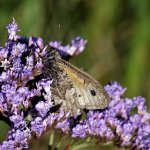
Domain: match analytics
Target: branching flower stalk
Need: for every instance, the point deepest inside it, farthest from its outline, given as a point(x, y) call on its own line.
point(25, 100)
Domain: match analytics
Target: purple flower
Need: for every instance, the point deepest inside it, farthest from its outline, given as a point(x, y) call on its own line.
point(37, 126)
point(36, 42)
point(22, 137)
point(75, 48)
point(136, 120)
point(17, 50)
point(115, 90)
point(77, 45)
point(42, 108)
point(17, 139)
point(50, 120)
point(55, 44)
point(17, 120)
point(12, 29)
point(10, 144)
point(79, 131)
point(64, 126)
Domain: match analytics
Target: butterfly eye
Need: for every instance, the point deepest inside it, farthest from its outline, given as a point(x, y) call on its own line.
point(93, 92)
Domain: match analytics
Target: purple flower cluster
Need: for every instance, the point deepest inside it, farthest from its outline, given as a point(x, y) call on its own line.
point(75, 48)
point(25, 96)
point(25, 100)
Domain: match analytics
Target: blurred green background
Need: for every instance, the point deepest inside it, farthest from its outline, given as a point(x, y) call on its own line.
point(118, 34)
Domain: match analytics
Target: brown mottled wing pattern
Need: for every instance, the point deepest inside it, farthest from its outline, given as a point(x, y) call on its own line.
point(74, 88)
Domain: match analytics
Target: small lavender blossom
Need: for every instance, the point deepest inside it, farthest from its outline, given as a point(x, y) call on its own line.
point(78, 45)
point(75, 48)
point(17, 120)
point(12, 30)
point(17, 139)
point(37, 126)
point(42, 108)
point(79, 131)
point(64, 126)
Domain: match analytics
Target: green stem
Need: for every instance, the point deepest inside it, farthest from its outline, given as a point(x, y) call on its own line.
point(51, 139)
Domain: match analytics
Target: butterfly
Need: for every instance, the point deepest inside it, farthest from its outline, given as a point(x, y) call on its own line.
point(72, 88)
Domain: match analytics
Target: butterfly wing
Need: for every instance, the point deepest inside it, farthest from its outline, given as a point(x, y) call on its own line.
point(86, 92)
